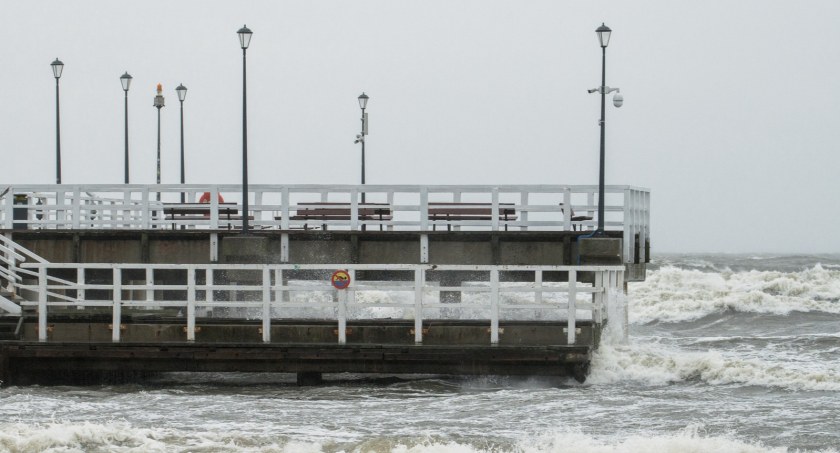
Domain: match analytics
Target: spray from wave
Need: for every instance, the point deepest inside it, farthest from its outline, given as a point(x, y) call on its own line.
point(672, 294)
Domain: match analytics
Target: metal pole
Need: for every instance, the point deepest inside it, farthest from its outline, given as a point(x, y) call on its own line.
point(603, 124)
point(363, 154)
point(182, 151)
point(126, 136)
point(158, 154)
point(244, 148)
point(57, 137)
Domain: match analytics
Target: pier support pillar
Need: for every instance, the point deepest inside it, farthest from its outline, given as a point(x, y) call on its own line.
point(308, 378)
point(5, 372)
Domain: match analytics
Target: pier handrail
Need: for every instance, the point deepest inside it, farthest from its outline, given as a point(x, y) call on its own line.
point(136, 207)
point(272, 291)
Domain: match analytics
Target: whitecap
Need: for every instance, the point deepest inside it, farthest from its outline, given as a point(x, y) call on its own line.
point(672, 294)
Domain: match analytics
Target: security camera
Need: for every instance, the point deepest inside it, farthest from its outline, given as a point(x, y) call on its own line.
point(594, 90)
point(618, 100)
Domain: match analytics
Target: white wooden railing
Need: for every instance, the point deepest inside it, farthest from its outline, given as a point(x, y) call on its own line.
point(537, 207)
point(278, 291)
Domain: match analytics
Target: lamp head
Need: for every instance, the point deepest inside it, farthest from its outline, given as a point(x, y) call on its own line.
point(603, 33)
point(182, 92)
point(244, 36)
point(125, 80)
point(57, 68)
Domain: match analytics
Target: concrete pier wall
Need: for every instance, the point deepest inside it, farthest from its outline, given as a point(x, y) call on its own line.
point(317, 247)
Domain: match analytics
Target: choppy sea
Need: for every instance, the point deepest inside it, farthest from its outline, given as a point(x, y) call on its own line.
point(727, 353)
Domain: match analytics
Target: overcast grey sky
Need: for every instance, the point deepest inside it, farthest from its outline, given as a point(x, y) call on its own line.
point(731, 114)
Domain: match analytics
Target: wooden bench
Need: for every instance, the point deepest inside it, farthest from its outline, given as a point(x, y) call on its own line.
point(453, 212)
point(201, 211)
point(575, 218)
point(326, 211)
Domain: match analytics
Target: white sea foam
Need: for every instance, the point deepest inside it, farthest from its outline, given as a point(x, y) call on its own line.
point(671, 294)
point(658, 364)
point(120, 436)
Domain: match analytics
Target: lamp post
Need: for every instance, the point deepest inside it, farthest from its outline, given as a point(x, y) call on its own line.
point(603, 33)
point(244, 40)
point(159, 103)
point(57, 69)
point(125, 79)
point(363, 100)
point(182, 94)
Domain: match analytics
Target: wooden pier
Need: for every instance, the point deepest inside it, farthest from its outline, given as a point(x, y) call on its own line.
point(100, 282)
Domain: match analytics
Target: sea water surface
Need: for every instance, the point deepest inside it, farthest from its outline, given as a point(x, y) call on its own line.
point(727, 353)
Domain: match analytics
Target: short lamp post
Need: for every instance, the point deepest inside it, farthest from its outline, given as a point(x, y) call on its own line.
point(363, 100)
point(244, 40)
point(57, 69)
point(125, 80)
point(603, 33)
point(182, 94)
point(159, 104)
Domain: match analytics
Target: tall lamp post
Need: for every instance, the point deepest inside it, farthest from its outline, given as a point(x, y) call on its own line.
point(603, 33)
point(159, 103)
point(125, 79)
point(182, 94)
point(57, 68)
point(244, 40)
point(363, 100)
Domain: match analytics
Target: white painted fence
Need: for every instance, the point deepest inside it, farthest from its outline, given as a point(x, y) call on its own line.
point(276, 291)
point(537, 207)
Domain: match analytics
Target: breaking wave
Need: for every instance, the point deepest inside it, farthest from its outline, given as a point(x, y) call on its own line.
point(672, 294)
point(120, 436)
point(658, 364)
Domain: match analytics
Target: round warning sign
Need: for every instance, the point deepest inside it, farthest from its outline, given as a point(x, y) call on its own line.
point(340, 279)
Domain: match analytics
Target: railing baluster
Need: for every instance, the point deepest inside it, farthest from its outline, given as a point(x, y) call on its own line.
point(571, 327)
point(342, 316)
point(191, 303)
point(523, 210)
point(494, 307)
point(42, 304)
point(419, 275)
point(116, 320)
point(494, 211)
point(266, 305)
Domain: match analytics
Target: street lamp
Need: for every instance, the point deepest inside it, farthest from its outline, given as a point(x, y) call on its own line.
point(363, 100)
point(159, 104)
point(604, 33)
point(57, 68)
point(182, 94)
point(244, 40)
point(125, 79)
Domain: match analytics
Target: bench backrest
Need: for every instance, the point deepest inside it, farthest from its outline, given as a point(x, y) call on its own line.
point(469, 208)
